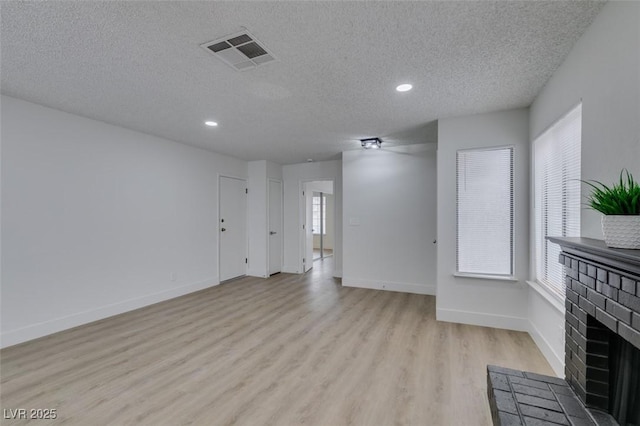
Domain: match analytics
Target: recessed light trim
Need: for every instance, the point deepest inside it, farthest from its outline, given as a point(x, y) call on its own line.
point(405, 87)
point(211, 123)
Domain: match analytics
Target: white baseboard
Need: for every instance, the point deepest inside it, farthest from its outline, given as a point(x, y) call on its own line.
point(390, 286)
point(482, 319)
point(45, 328)
point(556, 362)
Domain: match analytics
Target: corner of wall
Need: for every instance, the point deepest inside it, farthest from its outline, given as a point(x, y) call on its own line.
point(556, 362)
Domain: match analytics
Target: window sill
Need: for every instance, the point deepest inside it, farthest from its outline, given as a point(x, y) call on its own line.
point(509, 278)
point(554, 300)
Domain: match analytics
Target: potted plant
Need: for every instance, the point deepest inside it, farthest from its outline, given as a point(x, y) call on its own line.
point(620, 204)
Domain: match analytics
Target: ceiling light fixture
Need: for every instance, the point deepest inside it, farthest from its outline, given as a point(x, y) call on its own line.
point(371, 143)
point(404, 87)
point(211, 123)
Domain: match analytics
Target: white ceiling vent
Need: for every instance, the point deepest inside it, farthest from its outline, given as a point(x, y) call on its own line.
point(240, 50)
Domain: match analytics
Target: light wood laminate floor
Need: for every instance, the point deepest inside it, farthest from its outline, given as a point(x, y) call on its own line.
point(287, 350)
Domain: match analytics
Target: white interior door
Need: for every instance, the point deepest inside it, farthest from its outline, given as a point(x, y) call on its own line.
point(308, 229)
point(232, 227)
point(275, 226)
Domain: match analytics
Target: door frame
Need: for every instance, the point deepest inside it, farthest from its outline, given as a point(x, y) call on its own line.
point(281, 223)
point(301, 218)
point(218, 214)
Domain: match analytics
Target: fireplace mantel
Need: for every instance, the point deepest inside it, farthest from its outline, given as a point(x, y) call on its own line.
point(597, 251)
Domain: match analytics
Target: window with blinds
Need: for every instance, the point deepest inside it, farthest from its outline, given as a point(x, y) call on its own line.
point(484, 211)
point(556, 195)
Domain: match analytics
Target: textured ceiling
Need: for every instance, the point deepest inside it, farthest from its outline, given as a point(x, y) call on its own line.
point(140, 65)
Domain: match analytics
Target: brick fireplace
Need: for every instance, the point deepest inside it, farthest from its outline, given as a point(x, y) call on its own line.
point(602, 316)
point(602, 347)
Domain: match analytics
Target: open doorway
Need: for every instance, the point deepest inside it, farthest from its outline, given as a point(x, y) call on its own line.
point(319, 214)
point(322, 206)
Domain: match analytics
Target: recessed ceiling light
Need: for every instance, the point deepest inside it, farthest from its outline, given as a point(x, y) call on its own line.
point(211, 123)
point(404, 87)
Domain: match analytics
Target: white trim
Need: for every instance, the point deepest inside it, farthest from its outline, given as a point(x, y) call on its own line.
point(337, 273)
point(556, 361)
point(45, 328)
point(548, 295)
point(486, 277)
point(483, 319)
point(390, 286)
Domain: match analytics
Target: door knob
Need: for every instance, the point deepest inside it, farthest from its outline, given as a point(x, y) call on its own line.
point(223, 229)
point(272, 232)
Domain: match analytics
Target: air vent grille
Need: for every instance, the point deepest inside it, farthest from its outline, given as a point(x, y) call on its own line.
point(219, 46)
point(242, 51)
point(241, 39)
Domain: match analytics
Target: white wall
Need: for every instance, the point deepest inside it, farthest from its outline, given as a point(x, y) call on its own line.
point(325, 186)
point(546, 326)
point(493, 303)
point(294, 175)
point(96, 218)
point(257, 219)
point(389, 217)
point(602, 70)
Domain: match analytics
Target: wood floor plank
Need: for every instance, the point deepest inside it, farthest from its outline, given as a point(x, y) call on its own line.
point(288, 350)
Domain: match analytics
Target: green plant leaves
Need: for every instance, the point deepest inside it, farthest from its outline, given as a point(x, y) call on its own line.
point(622, 198)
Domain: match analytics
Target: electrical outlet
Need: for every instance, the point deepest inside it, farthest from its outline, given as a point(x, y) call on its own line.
point(173, 276)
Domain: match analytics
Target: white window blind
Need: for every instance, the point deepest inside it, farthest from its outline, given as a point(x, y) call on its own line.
point(557, 195)
point(485, 211)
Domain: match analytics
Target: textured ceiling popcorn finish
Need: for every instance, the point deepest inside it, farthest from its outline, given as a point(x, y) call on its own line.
point(140, 65)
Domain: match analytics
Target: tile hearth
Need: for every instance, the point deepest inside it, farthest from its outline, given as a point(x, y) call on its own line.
point(522, 398)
